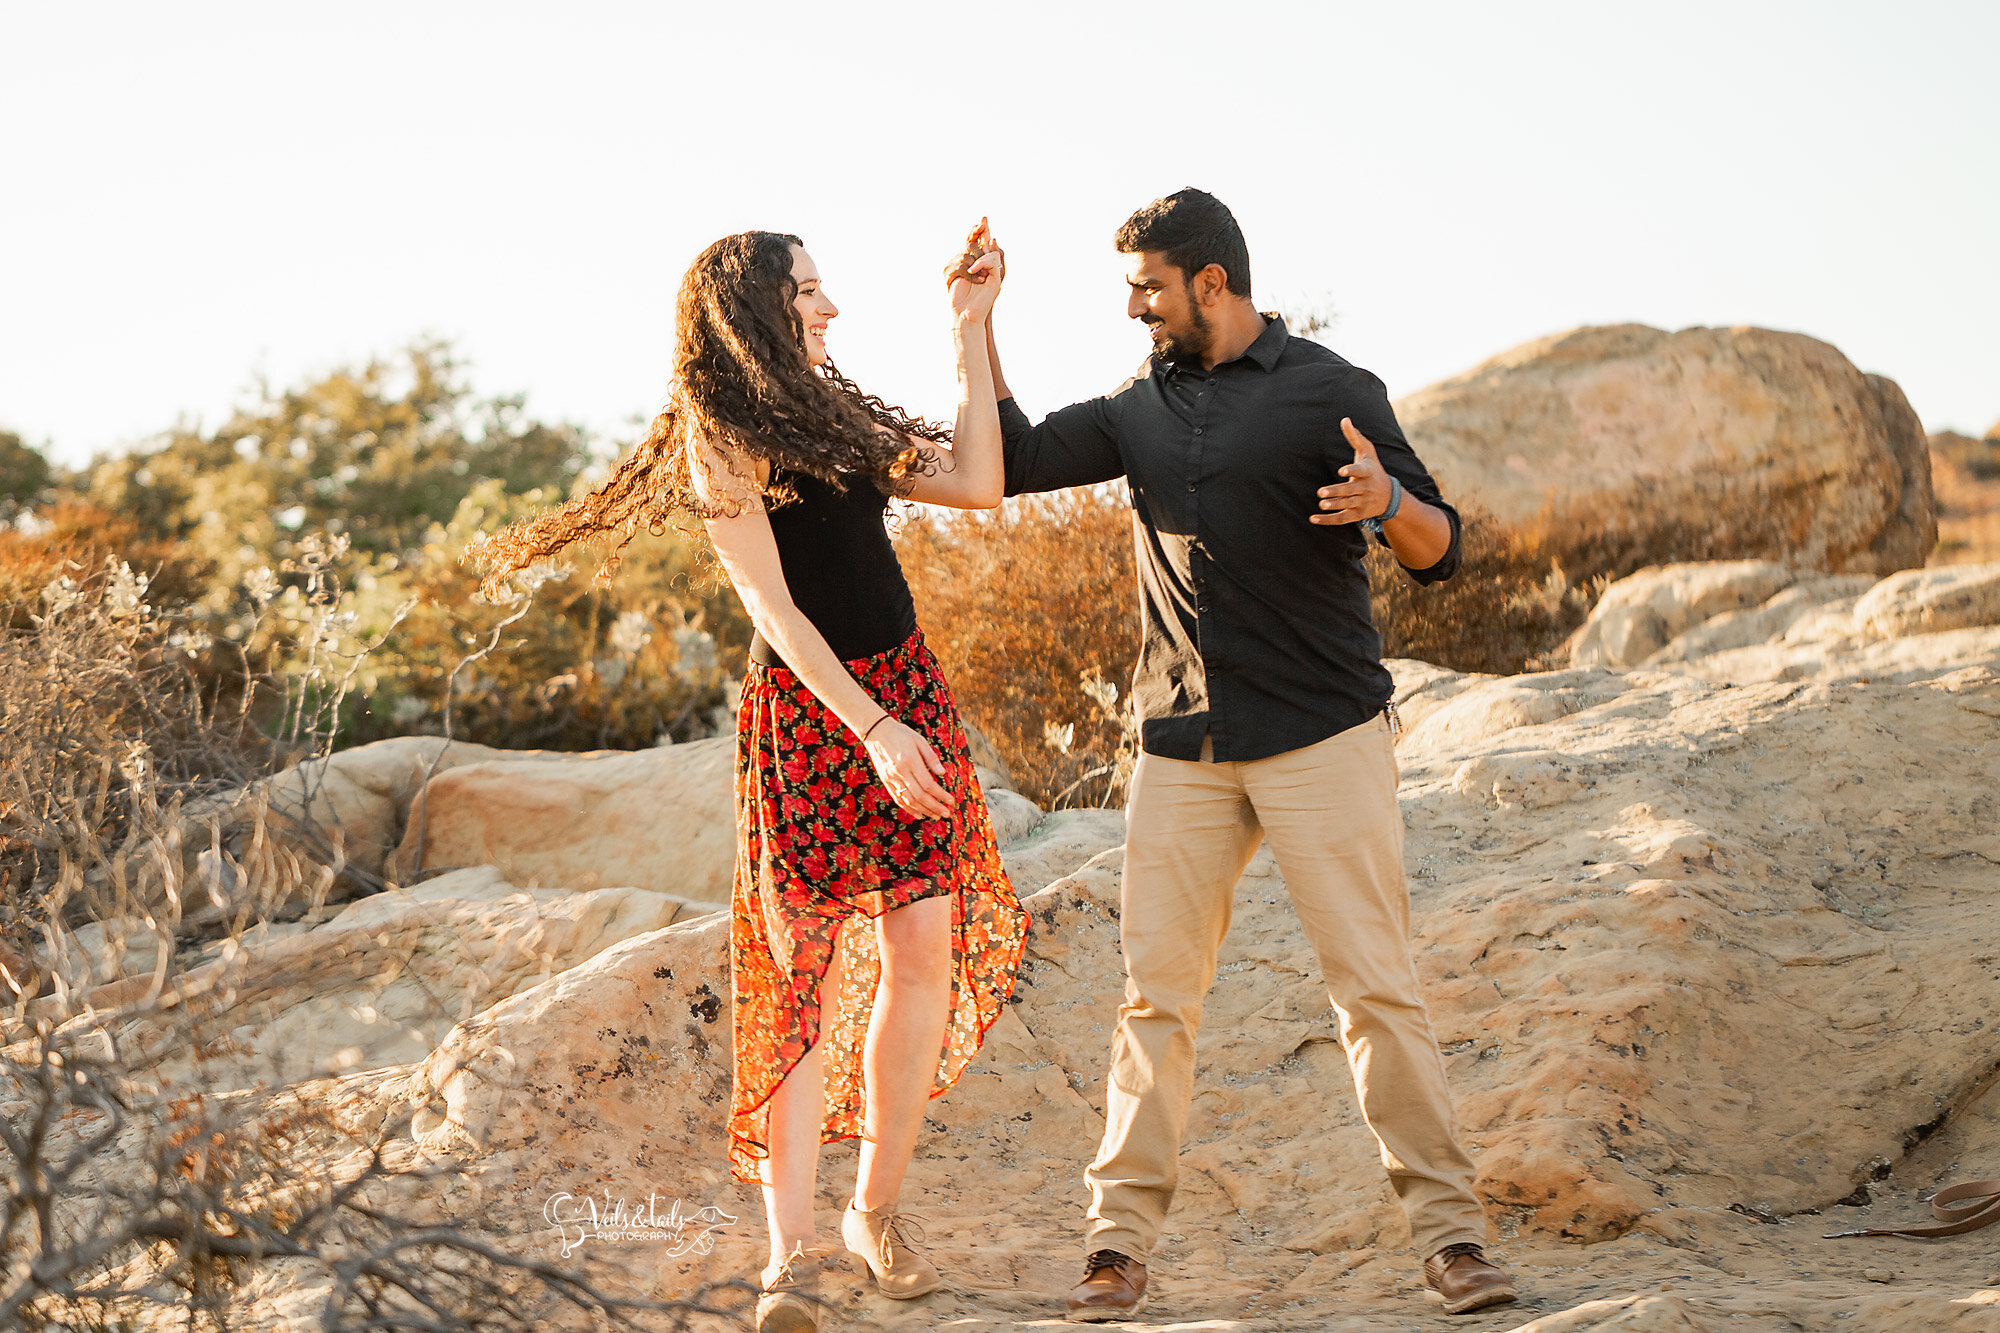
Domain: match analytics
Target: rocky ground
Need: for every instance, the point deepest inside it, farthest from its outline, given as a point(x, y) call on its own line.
point(1709, 925)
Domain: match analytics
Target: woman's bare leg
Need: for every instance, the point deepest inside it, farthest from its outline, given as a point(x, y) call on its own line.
point(905, 1037)
point(798, 1108)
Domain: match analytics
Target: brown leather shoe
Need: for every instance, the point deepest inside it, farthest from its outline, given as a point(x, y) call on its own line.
point(1461, 1277)
point(1113, 1287)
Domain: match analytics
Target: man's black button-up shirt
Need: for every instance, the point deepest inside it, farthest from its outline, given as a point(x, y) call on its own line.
point(1255, 623)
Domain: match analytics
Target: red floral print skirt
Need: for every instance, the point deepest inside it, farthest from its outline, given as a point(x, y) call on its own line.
point(820, 845)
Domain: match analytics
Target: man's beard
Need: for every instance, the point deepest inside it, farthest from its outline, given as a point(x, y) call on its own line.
point(1191, 344)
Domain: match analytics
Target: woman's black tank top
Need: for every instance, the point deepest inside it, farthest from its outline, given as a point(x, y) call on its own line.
point(841, 569)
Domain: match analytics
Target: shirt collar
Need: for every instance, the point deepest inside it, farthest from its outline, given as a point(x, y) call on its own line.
point(1264, 349)
point(1270, 344)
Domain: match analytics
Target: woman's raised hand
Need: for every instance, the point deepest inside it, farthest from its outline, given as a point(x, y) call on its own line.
point(972, 296)
point(976, 274)
point(978, 241)
point(909, 768)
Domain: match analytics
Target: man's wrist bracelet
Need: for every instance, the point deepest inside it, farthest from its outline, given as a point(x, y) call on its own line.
point(872, 725)
point(1373, 526)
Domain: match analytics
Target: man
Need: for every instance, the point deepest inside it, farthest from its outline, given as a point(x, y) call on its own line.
point(1256, 461)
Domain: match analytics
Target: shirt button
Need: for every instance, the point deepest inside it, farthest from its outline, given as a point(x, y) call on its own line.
point(1191, 487)
point(1197, 430)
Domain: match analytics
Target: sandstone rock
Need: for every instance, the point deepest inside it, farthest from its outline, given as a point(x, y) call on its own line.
point(1833, 657)
point(994, 775)
point(1014, 816)
point(385, 979)
point(1928, 601)
point(1487, 707)
point(1062, 842)
point(1772, 621)
point(1644, 901)
point(107, 950)
point(1772, 437)
point(661, 819)
point(1734, 884)
point(346, 809)
point(1638, 616)
point(1812, 629)
point(1627, 1314)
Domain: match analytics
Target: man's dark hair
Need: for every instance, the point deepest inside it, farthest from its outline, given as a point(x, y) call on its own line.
point(1193, 229)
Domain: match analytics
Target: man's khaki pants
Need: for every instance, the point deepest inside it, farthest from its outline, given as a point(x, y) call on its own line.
point(1330, 812)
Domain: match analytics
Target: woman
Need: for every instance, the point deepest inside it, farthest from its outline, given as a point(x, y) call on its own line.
point(856, 796)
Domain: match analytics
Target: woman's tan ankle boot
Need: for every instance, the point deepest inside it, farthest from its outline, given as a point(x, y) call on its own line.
point(880, 1239)
point(789, 1302)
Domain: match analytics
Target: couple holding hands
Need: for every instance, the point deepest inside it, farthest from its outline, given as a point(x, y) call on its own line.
point(1260, 465)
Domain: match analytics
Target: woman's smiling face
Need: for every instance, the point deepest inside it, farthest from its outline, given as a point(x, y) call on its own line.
point(811, 303)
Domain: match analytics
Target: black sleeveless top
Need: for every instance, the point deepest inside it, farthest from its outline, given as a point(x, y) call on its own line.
point(841, 569)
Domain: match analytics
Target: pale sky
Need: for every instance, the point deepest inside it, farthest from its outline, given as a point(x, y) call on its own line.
point(192, 194)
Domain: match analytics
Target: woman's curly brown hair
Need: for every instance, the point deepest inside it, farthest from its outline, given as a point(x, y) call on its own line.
point(741, 383)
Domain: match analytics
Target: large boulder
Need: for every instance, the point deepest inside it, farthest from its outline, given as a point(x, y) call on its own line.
point(1771, 444)
point(287, 845)
point(661, 819)
point(346, 808)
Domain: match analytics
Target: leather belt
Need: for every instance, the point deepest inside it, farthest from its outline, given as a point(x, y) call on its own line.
point(1958, 1209)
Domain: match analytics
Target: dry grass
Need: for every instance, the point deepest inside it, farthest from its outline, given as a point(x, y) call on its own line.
point(1033, 612)
point(76, 538)
point(1965, 476)
point(1023, 607)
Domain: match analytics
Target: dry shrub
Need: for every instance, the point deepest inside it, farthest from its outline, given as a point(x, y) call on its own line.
point(135, 1199)
point(1032, 609)
point(100, 700)
point(1521, 591)
point(150, 1173)
point(1965, 474)
point(1023, 606)
point(586, 666)
point(1509, 607)
point(76, 538)
point(120, 712)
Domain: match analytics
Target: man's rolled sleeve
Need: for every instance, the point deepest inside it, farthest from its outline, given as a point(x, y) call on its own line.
point(1076, 446)
point(1447, 564)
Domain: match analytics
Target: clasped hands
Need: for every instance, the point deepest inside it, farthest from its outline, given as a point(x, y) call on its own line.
point(968, 274)
point(981, 259)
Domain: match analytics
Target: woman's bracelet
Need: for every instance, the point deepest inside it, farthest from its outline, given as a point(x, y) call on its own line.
point(872, 725)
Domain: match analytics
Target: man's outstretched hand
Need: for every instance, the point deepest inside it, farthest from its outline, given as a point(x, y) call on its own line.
point(1365, 493)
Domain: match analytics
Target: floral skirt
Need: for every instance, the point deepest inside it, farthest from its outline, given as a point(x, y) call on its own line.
point(820, 845)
